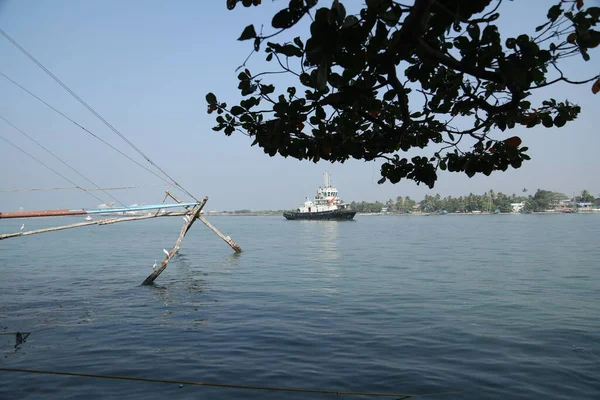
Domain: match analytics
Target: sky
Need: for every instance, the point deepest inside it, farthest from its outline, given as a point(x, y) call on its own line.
point(146, 67)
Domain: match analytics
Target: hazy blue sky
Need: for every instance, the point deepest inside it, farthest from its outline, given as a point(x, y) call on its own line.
point(146, 67)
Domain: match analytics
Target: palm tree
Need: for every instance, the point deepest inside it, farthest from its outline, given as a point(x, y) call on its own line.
point(587, 197)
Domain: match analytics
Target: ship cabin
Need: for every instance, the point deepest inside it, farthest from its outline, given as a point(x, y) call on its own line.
point(326, 200)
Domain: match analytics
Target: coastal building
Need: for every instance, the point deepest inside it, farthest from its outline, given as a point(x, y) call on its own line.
point(585, 206)
point(517, 207)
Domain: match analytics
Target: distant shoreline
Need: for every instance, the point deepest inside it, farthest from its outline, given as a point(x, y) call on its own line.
point(280, 214)
point(277, 214)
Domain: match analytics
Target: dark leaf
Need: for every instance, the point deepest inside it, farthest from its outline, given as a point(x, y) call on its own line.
point(560, 121)
point(392, 16)
point(514, 141)
point(286, 18)
point(320, 112)
point(554, 12)
point(339, 9)
point(237, 110)
point(592, 39)
point(298, 42)
point(389, 95)
point(290, 50)
point(473, 31)
point(594, 12)
point(584, 54)
point(539, 28)
point(350, 21)
point(248, 33)
point(596, 87)
point(211, 98)
point(547, 121)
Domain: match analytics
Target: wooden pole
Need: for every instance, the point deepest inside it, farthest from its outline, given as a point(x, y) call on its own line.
point(107, 221)
point(195, 212)
point(227, 239)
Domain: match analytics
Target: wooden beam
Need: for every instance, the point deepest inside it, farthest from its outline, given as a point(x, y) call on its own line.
point(227, 239)
point(107, 221)
point(195, 212)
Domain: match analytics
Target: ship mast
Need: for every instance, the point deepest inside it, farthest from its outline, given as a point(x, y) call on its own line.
point(326, 178)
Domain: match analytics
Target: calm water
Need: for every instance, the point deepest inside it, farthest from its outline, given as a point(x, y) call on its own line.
point(493, 306)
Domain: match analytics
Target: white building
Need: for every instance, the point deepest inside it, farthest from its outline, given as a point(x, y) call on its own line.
point(517, 207)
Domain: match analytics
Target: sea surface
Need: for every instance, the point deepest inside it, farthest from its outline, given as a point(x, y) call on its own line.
point(476, 307)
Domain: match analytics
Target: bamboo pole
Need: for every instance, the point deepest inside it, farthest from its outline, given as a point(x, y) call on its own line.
point(184, 229)
point(107, 221)
point(227, 239)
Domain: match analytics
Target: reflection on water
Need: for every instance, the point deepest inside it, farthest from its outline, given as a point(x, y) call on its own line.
point(325, 237)
point(160, 293)
point(326, 268)
point(20, 338)
point(188, 277)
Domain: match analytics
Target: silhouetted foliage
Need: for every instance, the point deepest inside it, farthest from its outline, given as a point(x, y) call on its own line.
point(395, 77)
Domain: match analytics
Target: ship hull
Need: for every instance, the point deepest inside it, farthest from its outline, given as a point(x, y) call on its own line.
point(335, 215)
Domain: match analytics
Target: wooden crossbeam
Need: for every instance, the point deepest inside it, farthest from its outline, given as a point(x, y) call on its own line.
point(184, 229)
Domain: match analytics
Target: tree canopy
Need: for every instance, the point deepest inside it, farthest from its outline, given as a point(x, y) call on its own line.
point(435, 75)
point(586, 197)
point(543, 200)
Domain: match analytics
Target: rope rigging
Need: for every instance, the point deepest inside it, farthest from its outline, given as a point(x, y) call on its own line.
point(50, 168)
point(84, 129)
point(80, 188)
point(64, 86)
point(338, 393)
point(61, 160)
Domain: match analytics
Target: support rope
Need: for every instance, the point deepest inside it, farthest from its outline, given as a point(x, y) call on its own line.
point(80, 188)
point(61, 160)
point(226, 385)
point(84, 129)
point(50, 168)
point(72, 93)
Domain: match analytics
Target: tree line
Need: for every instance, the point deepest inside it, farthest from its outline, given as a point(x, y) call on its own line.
point(489, 201)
